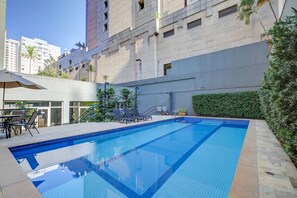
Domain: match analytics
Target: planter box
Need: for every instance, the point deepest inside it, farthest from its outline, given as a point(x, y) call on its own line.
point(181, 114)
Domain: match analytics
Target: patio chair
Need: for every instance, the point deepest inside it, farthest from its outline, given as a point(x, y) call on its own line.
point(21, 113)
point(2, 127)
point(136, 113)
point(118, 116)
point(30, 124)
point(18, 120)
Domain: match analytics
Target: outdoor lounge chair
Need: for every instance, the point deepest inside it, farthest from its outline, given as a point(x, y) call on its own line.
point(118, 116)
point(30, 124)
point(136, 113)
point(128, 114)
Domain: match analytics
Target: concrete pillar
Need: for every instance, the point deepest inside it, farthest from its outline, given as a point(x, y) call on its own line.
point(1, 100)
point(155, 47)
point(65, 111)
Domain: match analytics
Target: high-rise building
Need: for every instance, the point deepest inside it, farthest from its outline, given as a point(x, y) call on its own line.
point(2, 32)
point(12, 50)
point(44, 51)
point(159, 32)
point(91, 23)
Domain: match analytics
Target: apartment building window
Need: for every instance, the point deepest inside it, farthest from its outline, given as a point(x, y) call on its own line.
point(70, 62)
point(227, 11)
point(106, 3)
point(168, 33)
point(166, 67)
point(105, 16)
point(141, 4)
point(186, 3)
point(193, 24)
point(105, 27)
point(60, 66)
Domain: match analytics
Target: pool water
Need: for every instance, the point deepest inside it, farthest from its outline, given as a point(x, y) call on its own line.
point(185, 157)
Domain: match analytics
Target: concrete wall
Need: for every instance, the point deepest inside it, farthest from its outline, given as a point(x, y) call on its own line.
point(147, 13)
point(170, 6)
point(120, 16)
point(212, 35)
point(237, 69)
point(56, 90)
point(78, 69)
point(77, 57)
point(2, 32)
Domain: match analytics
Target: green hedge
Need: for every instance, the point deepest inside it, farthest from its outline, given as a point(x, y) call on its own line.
point(238, 105)
point(279, 92)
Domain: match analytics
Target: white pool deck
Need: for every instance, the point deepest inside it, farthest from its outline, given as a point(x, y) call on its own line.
point(260, 153)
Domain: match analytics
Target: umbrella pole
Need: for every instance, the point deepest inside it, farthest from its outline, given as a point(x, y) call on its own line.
point(3, 99)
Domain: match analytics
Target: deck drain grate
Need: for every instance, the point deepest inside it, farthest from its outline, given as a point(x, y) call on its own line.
point(269, 173)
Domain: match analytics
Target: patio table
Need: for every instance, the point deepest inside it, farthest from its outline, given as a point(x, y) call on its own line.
point(7, 123)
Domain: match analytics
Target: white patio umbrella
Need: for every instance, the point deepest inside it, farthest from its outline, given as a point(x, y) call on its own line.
point(11, 80)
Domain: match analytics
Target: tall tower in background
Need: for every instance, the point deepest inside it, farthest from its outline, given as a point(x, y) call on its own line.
point(91, 23)
point(44, 51)
point(12, 55)
point(2, 32)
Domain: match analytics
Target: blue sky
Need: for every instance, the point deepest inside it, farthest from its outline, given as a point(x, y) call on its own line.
point(60, 22)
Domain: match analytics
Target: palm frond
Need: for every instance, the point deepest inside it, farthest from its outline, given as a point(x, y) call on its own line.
point(261, 2)
point(246, 9)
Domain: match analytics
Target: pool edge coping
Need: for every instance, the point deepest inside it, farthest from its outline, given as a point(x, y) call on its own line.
point(246, 182)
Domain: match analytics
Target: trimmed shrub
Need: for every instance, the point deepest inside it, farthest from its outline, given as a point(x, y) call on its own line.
point(279, 92)
point(95, 113)
point(238, 105)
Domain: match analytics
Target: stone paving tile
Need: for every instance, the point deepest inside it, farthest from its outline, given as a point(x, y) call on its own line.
point(272, 158)
point(11, 173)
point(280, 194)
point(268, 192)
point(277, 182)
point(23, 189)
point(5, 154)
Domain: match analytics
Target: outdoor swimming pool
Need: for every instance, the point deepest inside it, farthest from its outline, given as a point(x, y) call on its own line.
point(183, 157)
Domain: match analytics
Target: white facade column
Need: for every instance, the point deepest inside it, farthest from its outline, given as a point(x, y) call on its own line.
point(1, 100)
point(65, 112)
point(155, 56)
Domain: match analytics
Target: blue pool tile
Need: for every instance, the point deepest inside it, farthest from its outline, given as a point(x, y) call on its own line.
point(185, 157)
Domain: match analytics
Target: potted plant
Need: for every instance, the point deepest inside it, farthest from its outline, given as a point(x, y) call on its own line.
point(181, 111)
